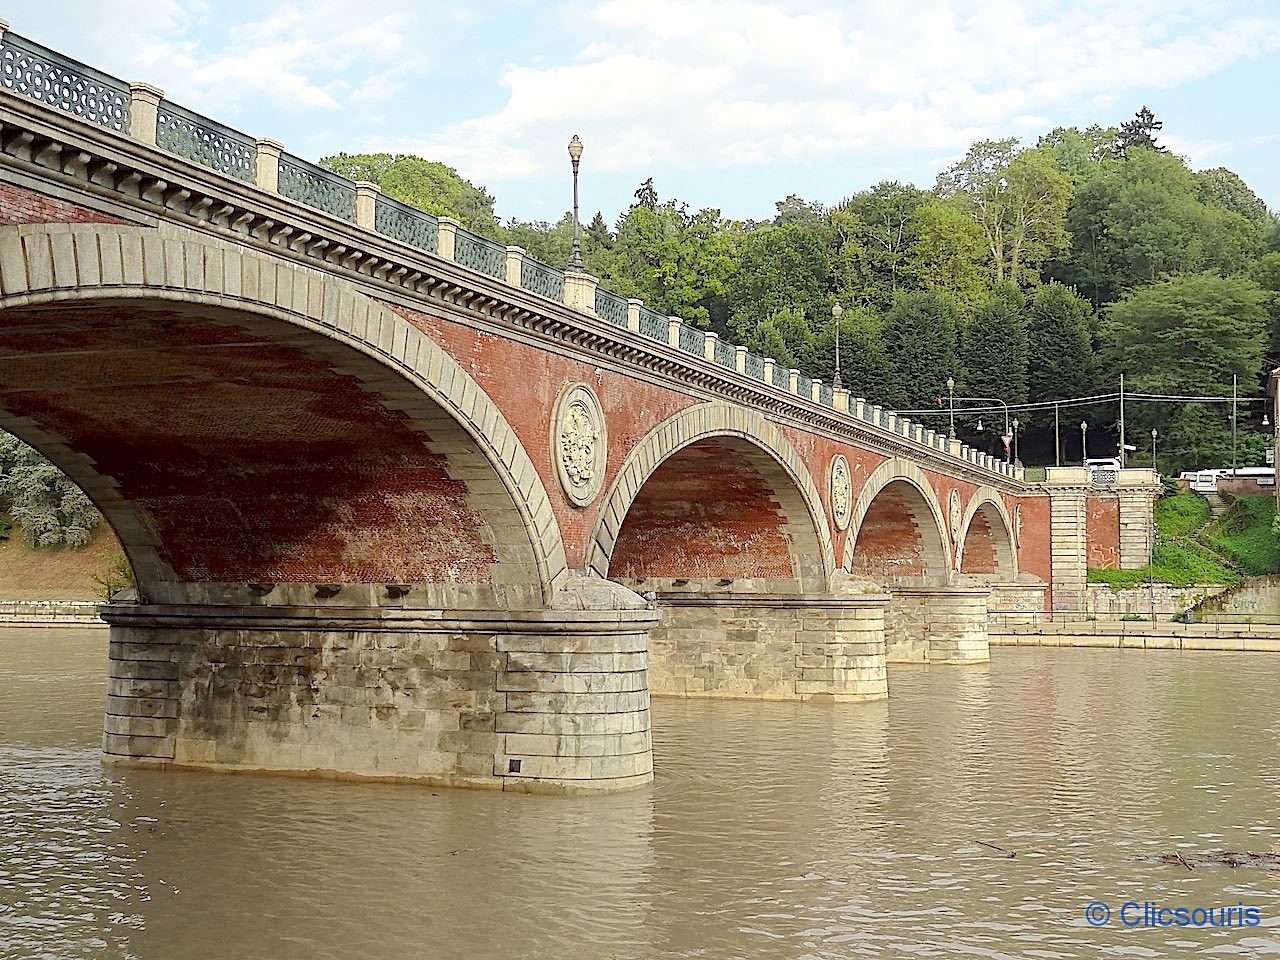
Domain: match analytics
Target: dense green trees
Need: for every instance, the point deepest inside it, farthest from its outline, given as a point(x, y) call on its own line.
point(51, 510)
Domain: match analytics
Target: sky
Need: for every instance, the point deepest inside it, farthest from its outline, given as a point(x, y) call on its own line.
point(731, 104)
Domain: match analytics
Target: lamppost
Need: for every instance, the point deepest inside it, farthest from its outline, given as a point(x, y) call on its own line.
point(1153, 450)
point(1015, 439)
point(837, 312)
point(575, 155)
point(1084, 442)
point(951, 404)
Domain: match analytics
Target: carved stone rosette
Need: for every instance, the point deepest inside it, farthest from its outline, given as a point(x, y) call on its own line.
point(841, 492)
point(579, 443)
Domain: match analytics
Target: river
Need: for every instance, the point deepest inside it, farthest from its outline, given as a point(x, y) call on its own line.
point(772, 830)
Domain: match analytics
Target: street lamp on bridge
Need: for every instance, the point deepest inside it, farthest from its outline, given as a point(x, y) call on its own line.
point(1084, 441)
point(837, 312)
point(951, 403)
point(575, 155)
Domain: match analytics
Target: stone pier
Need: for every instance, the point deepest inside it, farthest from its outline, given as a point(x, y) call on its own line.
point(944, 625)
point(538, 701)
point(822, 647)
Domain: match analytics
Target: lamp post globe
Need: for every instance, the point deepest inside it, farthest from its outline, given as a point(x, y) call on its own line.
point(575, 155)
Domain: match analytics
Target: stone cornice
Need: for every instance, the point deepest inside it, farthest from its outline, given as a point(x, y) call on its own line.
point(153, 185)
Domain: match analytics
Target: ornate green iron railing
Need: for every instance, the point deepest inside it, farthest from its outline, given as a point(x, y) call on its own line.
point(37, 72)
point(205, 141)
point(610, 307)
point(480, 254)
point(397, 220)
point(539, 278)
point(317, 187)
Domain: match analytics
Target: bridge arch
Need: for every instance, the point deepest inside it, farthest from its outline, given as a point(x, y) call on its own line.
point(426, 454)
point(897, 528)
point(986, 545)
point(776, 506)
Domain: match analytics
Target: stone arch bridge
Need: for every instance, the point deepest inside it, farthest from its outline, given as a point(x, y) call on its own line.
point(404, 504)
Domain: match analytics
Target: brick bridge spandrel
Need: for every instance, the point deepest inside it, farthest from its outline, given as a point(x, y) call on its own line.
point(403, 504)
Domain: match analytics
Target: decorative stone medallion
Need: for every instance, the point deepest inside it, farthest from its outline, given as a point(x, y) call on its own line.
point(955, 517)
point(579, 443)
point(841, 492)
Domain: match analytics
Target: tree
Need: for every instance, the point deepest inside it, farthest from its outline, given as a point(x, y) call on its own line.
point(677, 262)
point(1227, 190)
point(920, 341)
point(993, 350)
point(1145, 218)
point(1139, 132)
point(864, 365)
point(1188, 335)
point(1081, 154)
point(778, 268)
point(52, 511)
point(1018, 198)
point(785, 336)
point(1059, 347)
point(425, 184)
point(882, 222)
point(949, 255)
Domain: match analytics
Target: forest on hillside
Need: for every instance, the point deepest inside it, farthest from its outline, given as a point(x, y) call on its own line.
point(1027, 273)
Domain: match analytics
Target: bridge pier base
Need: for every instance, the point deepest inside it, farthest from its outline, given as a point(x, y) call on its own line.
point(946, 625)
point(769, 647)
point(537, 701)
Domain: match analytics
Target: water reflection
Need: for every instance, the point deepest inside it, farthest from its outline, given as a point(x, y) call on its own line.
point(773, 830)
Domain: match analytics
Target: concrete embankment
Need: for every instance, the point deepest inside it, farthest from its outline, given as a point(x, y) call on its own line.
point(1139, 635)
point(50, 613)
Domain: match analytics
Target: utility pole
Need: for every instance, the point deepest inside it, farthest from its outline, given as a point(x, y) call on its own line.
point(1057, 438)
point(1122, 421)
point(1233, 426)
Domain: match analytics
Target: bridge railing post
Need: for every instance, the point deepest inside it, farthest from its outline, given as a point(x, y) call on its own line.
point(446, 236)
point(793, 380)
point(769, 364)
point(266, 164)
point(367, 204)
point(740, 359)
point(634, 305)
point(815, 390)
point(673, 331)
point(144, 110)
point(515, 260)
point(580, 291)
point(709, 345)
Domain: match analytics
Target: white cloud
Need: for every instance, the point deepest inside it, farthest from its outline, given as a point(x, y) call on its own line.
point(727, 83)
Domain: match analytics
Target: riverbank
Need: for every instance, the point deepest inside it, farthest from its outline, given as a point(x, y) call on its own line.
point(35, 574)
point(1139, 635)
point(50, 613)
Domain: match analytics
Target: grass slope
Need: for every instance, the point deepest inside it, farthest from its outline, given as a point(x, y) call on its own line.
point(1192, 548)
point(29, 573)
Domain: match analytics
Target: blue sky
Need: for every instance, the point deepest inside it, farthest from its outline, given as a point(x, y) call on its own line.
point(725, 103)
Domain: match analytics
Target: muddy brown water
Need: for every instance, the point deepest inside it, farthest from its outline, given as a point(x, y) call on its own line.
point(772, 830)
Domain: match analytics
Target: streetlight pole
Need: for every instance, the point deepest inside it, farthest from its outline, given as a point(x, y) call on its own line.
point(1084, 442)
point(837, 312)
point(1153, 451)
point(1015, 439)
point(575, 155)
point(1233, 426)
point(951, 395)
point(1057, 437)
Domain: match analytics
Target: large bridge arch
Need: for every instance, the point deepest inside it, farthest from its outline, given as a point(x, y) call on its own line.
point(740, 437)
point(986, 545)
point(82, 301)
point(897, 528)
